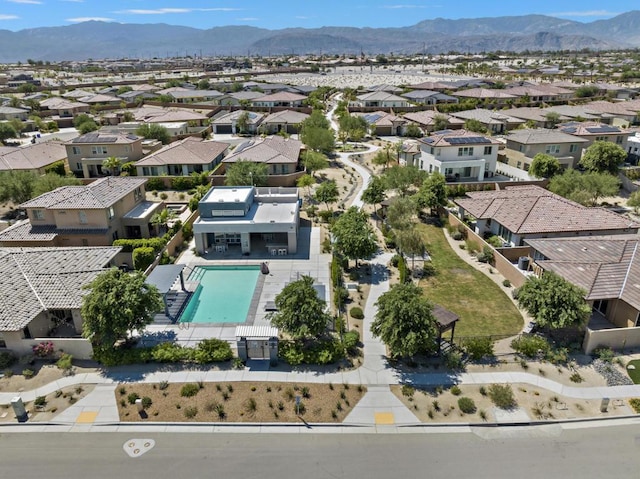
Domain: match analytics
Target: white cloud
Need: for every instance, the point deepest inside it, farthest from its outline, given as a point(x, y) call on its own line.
point(163, 11)
point(248, 19)
point(73, 1)
point(90, 19)
point(29, 2)
point(8, 17)
point(586, 13)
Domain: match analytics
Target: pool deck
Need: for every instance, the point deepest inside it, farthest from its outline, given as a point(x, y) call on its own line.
point(282, 270)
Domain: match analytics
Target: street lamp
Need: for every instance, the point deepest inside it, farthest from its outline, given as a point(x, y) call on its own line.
point(251, 176)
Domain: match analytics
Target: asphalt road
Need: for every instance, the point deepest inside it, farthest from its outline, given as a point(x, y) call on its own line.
point(609, 452)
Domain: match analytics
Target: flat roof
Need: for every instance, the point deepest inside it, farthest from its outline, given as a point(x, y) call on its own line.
point(142, 210)
point(164, 275)
point(229, 194)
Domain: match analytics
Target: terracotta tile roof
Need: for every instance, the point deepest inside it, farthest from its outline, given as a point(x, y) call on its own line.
point(286, 116)
point(100, 194)
point(189, 151)
point(484, 93)
point(426, 117)
point(104, 138)
point(281, 96)
point(33, 280)
point(157, 114)
point(531, 210)
point(487, 116)
point(605, 267)
point(226, 118)
point(273, 149)
point(25, 231)
point(541, 136)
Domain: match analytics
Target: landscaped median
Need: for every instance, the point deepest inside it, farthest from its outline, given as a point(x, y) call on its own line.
point(256, 402)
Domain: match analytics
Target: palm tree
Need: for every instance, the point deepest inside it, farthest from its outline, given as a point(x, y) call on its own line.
point(113, 165)
point(161, 219)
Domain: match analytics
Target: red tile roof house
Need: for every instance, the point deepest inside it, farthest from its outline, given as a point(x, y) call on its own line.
point(387, 124)
point(183, 157)
point(608, 269)
point(35, 158)
point(282, 98)
point(520, 213)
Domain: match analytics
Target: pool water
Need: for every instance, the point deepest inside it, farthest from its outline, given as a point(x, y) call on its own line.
point(223, 295)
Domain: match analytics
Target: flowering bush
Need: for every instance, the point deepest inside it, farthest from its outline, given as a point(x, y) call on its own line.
point(43, 349)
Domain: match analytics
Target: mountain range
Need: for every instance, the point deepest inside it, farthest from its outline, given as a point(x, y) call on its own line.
point(93, 39)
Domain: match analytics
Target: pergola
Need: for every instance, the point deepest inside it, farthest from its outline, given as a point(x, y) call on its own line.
point(162, 277)
point(446, 322)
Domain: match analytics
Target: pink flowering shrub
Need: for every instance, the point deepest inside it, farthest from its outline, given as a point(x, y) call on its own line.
point(43, 349)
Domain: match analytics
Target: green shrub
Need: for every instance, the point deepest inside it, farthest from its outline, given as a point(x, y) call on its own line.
point(146, 402)
point(143, 257)
point(28, 373)
point(455, 390)
point(453, 360)
point(187, 232)
point(182, 183)
point(506, 283)
point(471, 247)
point(495, 241)
point(213, 351)
point(456, 235)
point(128, 245)
point(635, 404)
point(502, 396)
point(530, 345)
point(7, 359)
point(356, 313)
point(322, 351)
point(467, 405)
point(605, 354)
point(340, 296)
point(132, 398)
point(336, 272)
point(40, 401)
point(56, 167)
point(557, 355)
point(478, 347)
point(190, 412)
point(576, 377)
point(122, 356)
point(351, 339)
point(403, 271)
point(408, 391)
point(429, 270)
point(354, 276)
point(189, 390)
point(65, 362)
point(486, 256)
point(155, 184)
point(170, 353)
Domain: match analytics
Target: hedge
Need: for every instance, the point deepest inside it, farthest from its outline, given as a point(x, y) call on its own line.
point(128, 245)
point(143, 257)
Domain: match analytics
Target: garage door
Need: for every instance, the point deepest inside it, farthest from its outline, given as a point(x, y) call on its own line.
point(223, 129)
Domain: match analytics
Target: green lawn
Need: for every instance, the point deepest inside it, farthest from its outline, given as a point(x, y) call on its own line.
point(482, 306)
point(634, 374)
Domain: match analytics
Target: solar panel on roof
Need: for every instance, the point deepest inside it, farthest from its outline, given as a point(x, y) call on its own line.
point(372, 118)
point(602, 129)
point(570, 130)
point(466, 140)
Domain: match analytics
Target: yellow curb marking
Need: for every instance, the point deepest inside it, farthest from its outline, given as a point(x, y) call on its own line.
point(87, 417)
point(384, 418)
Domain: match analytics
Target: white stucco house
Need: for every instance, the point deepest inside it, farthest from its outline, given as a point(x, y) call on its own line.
point(459, 155)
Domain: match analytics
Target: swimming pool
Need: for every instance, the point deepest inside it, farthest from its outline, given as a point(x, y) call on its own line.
point(223, 296)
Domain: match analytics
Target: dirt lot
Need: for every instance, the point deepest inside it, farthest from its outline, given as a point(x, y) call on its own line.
point(241, 402)
point(44, 374)
point(54, 404)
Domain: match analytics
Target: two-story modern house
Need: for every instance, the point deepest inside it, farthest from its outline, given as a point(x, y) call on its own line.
point(524, 145)
point(34, 157)
point(93, 215)
point(459, 155)
point(183, 157)
point(86, 153)
point(592, 132)
point(245, 219)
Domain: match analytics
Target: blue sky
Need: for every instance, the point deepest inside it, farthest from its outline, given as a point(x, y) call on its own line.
point(20, 14)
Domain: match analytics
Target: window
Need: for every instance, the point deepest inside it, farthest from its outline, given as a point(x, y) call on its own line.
point(573, 148)
point(465, 151)
point(137, 194)
point(432, 150)
point(3, 344)
point(75, 150)
point(601, 138)
point(504, 233)
point(619, 140)
point(600, 305)
point(438, 151)
point(488, 150)
point(78, 167)
point(98, 150)
point(82, 216)
point(552, 149)
point(521, 148)
point(38, 214)
point(115, 235)
point(111, 213)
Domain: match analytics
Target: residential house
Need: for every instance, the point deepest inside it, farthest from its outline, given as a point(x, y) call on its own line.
point(239, 98)
point(621, 113)
point(379, 99)
point(520, 213)
point(435, 86)
point(77, 93)
point(459, 155)
point(495, 122)
point(64, 108)
point(410, 154)
point(34, 157)
point(93, 215)
point(535, 117)
point(540, 93)
point(41, 291)
point(592, 132)
point(98, 99)
point(495, 97)
point(281, 98)
point(608, 270)
point(226, 122)
point(195, 96)
point(386, 88)
point(158, 114)
point(281, 155)
point(183, 157)
point(426, 120)
point(286, 121)
point(244, 219)
point(87, 152)
point(9, 113)
point(429, 97)
point(386, 124)
point(578, 113)
point(524, 145)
